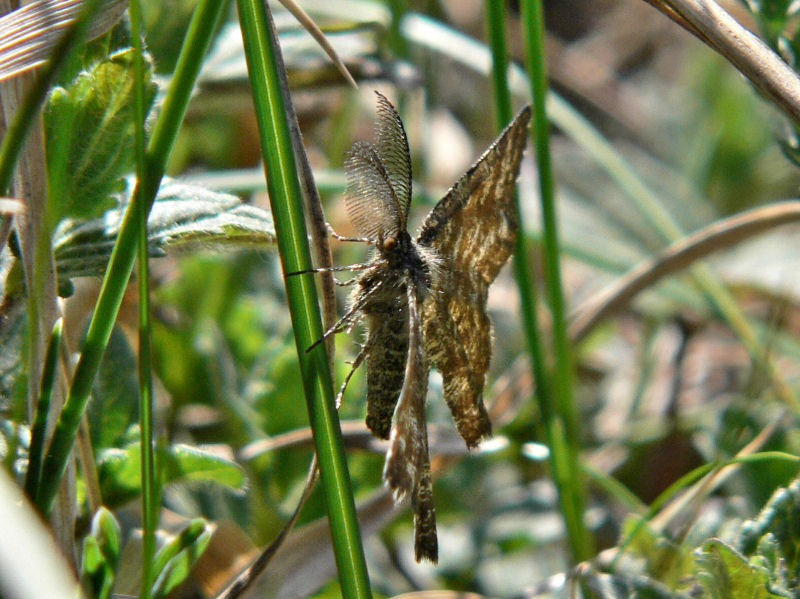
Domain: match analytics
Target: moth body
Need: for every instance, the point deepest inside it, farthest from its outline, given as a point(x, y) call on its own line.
point(423, 299)
point(381, 292)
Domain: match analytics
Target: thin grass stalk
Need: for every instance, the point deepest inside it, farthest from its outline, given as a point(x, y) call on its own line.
point(39, 427)
point(150, 491)
point(496, 25)
point(264, 62)
point(529, 301)
point(204, 23)
point(564, 431)
point(397, 41)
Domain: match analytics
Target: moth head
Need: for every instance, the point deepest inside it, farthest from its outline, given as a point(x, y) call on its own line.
point(394, 245)
point(389, 243)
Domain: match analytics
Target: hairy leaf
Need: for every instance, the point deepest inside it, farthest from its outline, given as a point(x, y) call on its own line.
point(725, 573)
point(184, 217)
point(774, 535)
point(89, 130)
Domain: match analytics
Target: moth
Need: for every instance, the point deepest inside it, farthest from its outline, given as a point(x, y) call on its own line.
point(423, 298)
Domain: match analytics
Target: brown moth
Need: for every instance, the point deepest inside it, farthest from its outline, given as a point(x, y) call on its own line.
point(424, 299)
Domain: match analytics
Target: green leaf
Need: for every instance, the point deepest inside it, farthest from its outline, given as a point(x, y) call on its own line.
point(769, 557)
point(174, 561)
point(725, 573)
point(101, 551)
point(186, 462)
point(120, 475)
point(774, 535)
point(184, 217)
point(106, 528)
point(89, 129)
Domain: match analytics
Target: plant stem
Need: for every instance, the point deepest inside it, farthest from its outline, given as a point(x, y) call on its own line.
point(563, 430)
point(150, 492)
point(264, 62)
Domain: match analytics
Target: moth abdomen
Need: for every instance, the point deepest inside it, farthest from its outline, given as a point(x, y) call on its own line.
point(388, 338)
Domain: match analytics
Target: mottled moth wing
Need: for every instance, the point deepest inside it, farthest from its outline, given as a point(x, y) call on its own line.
point(407, 470)
point(473, 229)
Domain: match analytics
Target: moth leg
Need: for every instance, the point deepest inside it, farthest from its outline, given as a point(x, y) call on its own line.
point(338, 237)
point(348, 320)
point(353, 367)
point(350, 268)
point(340, 325)
point(346, 283)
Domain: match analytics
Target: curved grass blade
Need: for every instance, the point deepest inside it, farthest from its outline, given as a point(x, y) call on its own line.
point(31, 565)
point(315, 32)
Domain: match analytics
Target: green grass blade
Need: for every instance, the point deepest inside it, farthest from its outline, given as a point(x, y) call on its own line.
point(10, 150)
point(264, 62)
point(563, 430)
point(397, 42)
point(198, 39)
point(38, 430)
point(150, 491)
point(496, 24)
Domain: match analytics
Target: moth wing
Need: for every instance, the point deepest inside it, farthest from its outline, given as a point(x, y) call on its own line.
point(457, 336)
point(370, 199)
point(392, 145)
point(407, 470)
point(408, 442)
point(473, 227)
point(473, 230)
point(426, 542)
